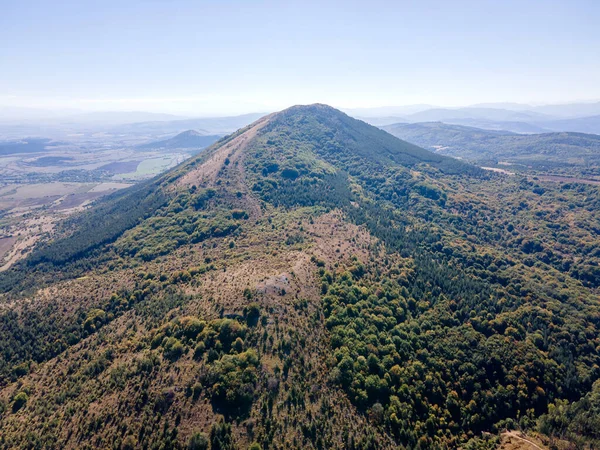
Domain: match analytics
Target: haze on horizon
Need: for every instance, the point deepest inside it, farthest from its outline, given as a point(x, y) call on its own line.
point(224, 58)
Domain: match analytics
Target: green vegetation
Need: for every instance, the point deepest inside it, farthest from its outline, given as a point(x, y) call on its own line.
point(563, 153)
point(318, 284)
point(578, 422)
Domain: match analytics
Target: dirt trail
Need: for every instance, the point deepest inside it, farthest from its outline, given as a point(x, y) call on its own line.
point(514, 440)
point(207, 172)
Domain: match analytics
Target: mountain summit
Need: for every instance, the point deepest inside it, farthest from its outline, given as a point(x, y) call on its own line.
point(309, 281)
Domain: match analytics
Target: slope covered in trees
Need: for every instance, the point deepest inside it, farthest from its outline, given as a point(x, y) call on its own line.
point(547, 151)
point(308, 282)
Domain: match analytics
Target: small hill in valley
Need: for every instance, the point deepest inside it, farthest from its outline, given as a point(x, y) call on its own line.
point(190, 139)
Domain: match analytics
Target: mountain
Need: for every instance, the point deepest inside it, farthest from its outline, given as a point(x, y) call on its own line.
point(387, 110)
point(492, 114)
point(480, 117)
point(208, 125)
point(545, 151)
point(581, 124)
point(570, 109)
point(580, 109)
point(105, 118)
point(190, 139)
point(309, 281)
point(490, 111)
point(512, 126)
point(121, 125)
point(535, 120)
point(381, 121)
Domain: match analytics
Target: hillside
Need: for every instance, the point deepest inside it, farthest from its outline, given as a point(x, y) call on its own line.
point(309, 281)
point(190, 139)
point(541, 151)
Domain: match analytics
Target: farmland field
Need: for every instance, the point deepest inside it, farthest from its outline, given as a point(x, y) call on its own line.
point(29, 212)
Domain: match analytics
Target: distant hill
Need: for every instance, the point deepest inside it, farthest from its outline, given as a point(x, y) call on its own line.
point(563, 148)
point(208, 125)
point(590, 124)
point(580, 109)
point(190, 139)
point(498, 125)
point(105, 118)
point(96, 118)
point(431, 135)
point(570, 109)
point(28, 145)
point(504, 115)
point(381, 121)
point(518, 120)
point(503, 111)
point(388, 111)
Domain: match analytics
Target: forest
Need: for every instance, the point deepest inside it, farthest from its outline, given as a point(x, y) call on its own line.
point(310, 282)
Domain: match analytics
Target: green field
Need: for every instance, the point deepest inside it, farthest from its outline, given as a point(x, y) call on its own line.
point(152, 166)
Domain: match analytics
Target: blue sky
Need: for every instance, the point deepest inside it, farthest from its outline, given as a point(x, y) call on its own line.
point(222, 57)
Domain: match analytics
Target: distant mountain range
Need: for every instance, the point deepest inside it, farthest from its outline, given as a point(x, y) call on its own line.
point(589, 124)
point(487, 124)
point(120, 126)
point(499, 119)
point(474, 144)
point(206, 125)
point(190, 139)
point(27, 115)
point(567, 110)
point(503, 115)
point(142, 126)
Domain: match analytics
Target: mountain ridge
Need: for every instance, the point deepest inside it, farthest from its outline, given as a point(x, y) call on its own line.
point(477, 145)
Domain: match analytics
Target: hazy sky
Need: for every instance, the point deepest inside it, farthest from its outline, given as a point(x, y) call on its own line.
point(222, 57)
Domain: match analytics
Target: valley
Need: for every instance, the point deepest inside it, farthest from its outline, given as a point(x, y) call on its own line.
point(42, 181)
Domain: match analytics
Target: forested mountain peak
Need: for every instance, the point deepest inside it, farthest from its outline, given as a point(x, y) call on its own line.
point(309, 281)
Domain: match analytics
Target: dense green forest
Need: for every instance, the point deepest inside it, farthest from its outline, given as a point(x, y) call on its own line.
point(309, 282)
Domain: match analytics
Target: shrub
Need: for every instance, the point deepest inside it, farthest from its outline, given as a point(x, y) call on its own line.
point(198, 441)
point(19, 401)
point(173, 348)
